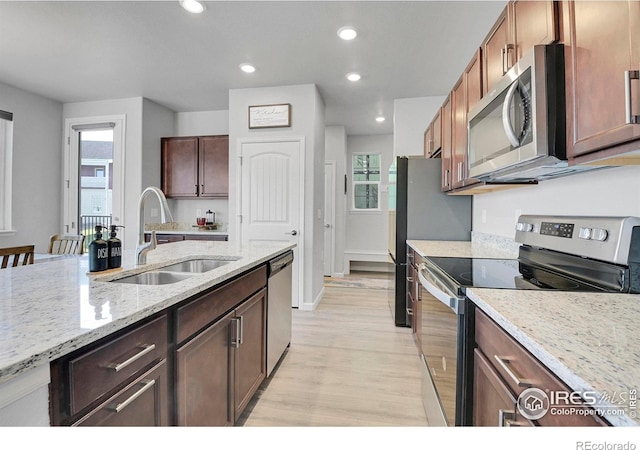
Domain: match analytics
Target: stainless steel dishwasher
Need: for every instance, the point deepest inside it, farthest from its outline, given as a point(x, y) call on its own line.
point(278, 308)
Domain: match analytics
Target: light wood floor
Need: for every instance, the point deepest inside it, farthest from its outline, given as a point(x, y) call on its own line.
point(348, 365)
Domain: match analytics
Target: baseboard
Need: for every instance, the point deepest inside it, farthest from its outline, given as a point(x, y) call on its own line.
point(314, 305)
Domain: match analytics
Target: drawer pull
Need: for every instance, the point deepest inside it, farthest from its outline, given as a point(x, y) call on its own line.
point(506, 418)
point(410, 279)
point(503, 363)
point(147, 384)
point(117, 367)
point(409, 311)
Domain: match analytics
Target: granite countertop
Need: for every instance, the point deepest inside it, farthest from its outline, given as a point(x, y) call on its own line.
point(50, 309)
point(589, 340)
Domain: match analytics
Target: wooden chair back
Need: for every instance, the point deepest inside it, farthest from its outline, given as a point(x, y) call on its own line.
point(19, 256)
point(66, 244)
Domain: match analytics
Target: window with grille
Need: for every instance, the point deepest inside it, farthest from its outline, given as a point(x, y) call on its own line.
point(366, 182)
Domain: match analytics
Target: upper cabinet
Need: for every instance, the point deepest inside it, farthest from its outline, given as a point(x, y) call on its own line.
point(521, 25)
point(447, 148)
point(466, 93)
point(433, 137)
point(602, 54)
point(195, 166)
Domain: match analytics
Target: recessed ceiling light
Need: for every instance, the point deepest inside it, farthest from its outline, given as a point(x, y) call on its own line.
point(380, 119)
point(352, 76)
point(347, 33)
point(248, 68)
point(193, 6)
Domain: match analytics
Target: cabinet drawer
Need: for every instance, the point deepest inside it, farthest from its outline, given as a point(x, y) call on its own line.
point(521, 370)
point(143, 402)
point(94, 374)
point(200, 312)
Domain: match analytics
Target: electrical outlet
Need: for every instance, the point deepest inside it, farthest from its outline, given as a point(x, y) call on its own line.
point(198, 213)
point(518, 214)
point(484, 216)
point(153, 212)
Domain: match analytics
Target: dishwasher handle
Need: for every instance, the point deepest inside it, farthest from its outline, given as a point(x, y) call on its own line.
point(279, 263)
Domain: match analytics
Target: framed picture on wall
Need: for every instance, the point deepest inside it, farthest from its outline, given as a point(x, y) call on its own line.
point(270, 116)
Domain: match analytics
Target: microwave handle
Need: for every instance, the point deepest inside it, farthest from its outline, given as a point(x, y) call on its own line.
point(511, 135)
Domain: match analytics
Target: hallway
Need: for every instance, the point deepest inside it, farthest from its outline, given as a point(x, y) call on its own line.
point(348, 365)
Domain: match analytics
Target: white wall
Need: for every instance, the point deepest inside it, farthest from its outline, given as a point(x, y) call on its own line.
point(336, 151)
point(201, 123)
point(307, 121)
point(607, 192)
point(140, 152)
point(411, 116)
point(367, 232)
point(37, 167)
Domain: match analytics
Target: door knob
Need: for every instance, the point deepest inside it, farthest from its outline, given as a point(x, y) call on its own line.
point(292, 232)
point(327, 225)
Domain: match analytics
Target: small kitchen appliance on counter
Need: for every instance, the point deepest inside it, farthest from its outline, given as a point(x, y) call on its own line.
point(562, 253)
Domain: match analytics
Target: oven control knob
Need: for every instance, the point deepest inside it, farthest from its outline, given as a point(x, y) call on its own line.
point(599, 234)
point(585, 233)
point(523, 226)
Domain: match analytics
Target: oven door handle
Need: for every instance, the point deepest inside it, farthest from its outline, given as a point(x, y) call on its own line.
point(431, 283)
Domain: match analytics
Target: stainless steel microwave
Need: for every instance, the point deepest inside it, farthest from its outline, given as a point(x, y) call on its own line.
point(518, 130)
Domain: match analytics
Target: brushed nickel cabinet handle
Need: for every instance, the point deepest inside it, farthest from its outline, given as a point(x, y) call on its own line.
point(628, 76)
point(410, 279)
point(502, 361)
point(146, 385)
point(117, 367)
point(409, 312)
point(202, 189)
point(506, 418)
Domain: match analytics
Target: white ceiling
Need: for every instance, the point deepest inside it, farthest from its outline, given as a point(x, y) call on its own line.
point(88, 50)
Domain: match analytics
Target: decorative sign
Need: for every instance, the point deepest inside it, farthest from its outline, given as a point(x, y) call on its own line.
point(270, 116)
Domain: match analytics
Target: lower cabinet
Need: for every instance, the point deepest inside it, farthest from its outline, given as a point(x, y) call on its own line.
point(198, 363)
point(504, 371)
point(220, 369)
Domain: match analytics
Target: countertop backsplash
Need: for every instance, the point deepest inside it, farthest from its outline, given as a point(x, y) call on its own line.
point(499, 242)
point(185, 227)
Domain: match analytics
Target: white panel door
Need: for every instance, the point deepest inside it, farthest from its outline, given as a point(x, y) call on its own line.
point(271, 198)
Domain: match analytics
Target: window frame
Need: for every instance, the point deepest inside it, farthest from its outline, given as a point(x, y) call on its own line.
point(6, 171)
point(354, 183)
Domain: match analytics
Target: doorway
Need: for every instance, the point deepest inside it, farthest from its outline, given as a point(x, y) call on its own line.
point(272, 197)
point(329, 216)
point(93, 176)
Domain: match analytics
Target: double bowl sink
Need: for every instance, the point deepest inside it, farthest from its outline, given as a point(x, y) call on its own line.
point(174, 272)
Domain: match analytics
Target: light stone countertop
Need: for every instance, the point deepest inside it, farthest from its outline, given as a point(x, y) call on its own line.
point(591, 341)
point(52, 308)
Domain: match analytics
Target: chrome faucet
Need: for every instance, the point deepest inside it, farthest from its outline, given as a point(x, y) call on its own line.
point(165, 215)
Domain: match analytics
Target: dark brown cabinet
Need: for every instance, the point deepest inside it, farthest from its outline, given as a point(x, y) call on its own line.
point(221, 355)
point(195, 166)
point(414, 307)
point(602, 55)
point(447, 148)
point(521, 25)
point(119, 380)
point(503, 370)
point(433, 137)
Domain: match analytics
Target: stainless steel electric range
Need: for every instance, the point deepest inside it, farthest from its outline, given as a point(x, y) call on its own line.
point(564, 253)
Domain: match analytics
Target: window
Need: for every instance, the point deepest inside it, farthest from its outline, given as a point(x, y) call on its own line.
point(6, 153)
point(366, 182)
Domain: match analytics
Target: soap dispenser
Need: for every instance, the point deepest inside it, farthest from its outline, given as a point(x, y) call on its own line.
point(98, 252)
point(115, 248)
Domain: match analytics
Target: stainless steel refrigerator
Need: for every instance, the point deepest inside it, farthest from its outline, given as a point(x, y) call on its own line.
point(418, 209)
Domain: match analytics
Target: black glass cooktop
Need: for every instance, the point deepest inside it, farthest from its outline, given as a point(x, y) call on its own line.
point(506, 274)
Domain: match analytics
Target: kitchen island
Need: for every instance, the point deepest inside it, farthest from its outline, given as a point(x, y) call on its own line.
point(51, 309)
point(588, 340)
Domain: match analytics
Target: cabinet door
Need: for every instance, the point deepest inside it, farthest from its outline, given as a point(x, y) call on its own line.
point(180, 167)
point(534, 23)
point(603, 47)
point(143, 402)
point(436, 134)
point(446, 144)
point(459, 132)
point(428, 142)
point(473, 78)
point(496, 50)
point(214, 166)
point(204, 374)
point(251, 350)
point(493, 403)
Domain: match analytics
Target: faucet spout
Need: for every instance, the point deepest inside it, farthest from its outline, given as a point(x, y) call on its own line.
point(142, 248)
